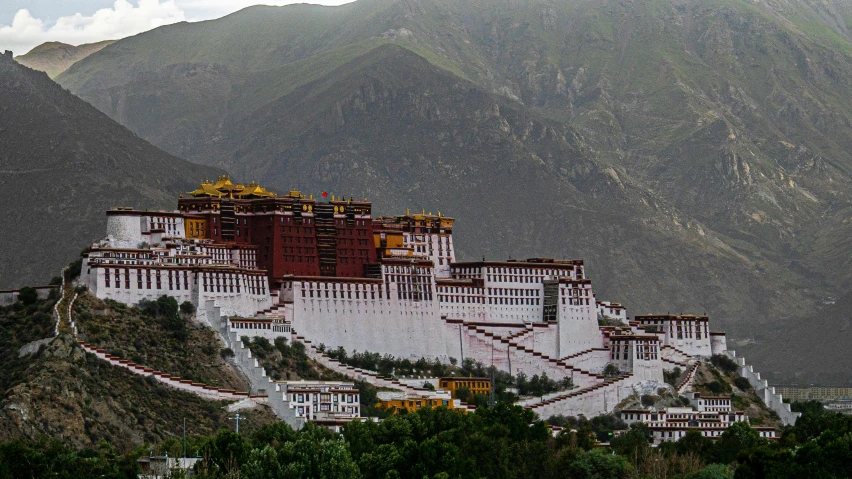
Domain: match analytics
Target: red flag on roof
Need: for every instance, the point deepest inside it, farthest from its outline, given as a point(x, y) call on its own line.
point(325, 194)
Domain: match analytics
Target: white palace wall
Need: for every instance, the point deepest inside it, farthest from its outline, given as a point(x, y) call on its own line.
point(250, 297)
point(577, 319)
point(718, 343)
point(125, 229)
point(402, 328)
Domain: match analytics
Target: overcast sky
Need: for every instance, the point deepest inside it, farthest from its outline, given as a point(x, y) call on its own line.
point(25, 24)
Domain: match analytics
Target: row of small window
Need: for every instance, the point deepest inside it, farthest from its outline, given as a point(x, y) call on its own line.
point(499, 278)
point(414, 295)
point(302, 411)
point(408, 279)
point(407, 270)
point(306, 397)
point(350, 232)
point(300, 259)
point(230, 283)
point(243, 325)
point(298, 239)
point(481, 300)
point(643, 351)
point(174, 281)
point(343, 294)
point(311, 285)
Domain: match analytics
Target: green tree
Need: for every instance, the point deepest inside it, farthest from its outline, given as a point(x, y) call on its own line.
point(713, 471)
point(598, 464)
point(187, 308)
point(634, 444)
point(28, 295)
point(738, 438)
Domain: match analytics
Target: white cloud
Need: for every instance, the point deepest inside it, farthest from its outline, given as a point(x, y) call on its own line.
point(122, 20)
point(207, 9)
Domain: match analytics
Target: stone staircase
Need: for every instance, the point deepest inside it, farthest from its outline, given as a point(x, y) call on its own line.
point(580, 376)
point(674, 354)
point(176, 382)
point(675, 363)
point(686, 380)
point(573, 400)
point(371, 377)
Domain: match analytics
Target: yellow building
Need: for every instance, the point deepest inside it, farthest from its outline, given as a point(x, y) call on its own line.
point(412, 403)
point(195, 228)
point(474, 385)
point(815, 393)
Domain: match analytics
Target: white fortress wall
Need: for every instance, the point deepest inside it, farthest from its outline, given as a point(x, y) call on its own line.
point(11, 296)
point(122, 283)
point(687, 333)
point(357, 321)
point(577, 318)
point(125, 228)
point(766, 392)
point(718, 343)
point(594, 360)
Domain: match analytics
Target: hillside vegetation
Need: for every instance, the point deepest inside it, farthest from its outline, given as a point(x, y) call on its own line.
point(695, 153)
point(171, 343)
point(59, 391)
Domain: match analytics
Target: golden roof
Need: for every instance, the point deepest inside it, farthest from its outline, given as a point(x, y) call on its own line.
point(254, 190)
point(224, 187)
point(224, 184)
point(206, 189)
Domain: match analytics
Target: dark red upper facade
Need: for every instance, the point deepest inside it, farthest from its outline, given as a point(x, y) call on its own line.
point(295, 235)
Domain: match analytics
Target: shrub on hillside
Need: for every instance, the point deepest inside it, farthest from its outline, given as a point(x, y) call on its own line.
point(671, 377)
point(717, 387)
point(724, 363)
point(187, 308)
point(742, 383)
point(28, 295)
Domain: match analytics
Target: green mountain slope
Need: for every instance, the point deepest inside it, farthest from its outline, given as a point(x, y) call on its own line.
point(54, 58)
point(712, 136)
point(392, 126)
point(62, 164)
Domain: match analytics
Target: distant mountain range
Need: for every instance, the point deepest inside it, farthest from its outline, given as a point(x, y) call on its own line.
point(697, 154)
point(54, 58)
point(62, 165)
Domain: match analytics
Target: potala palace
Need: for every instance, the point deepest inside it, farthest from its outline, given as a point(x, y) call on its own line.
point(325, 271)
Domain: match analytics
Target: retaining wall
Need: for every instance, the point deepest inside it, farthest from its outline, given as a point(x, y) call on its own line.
point(9, 297)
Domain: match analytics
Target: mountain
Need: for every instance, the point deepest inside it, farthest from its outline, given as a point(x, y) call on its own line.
point(62, 164)
point(696, 154)
point(54, 58)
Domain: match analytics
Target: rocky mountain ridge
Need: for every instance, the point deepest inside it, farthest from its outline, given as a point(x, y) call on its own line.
point(62, 165)
point(54, 58)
